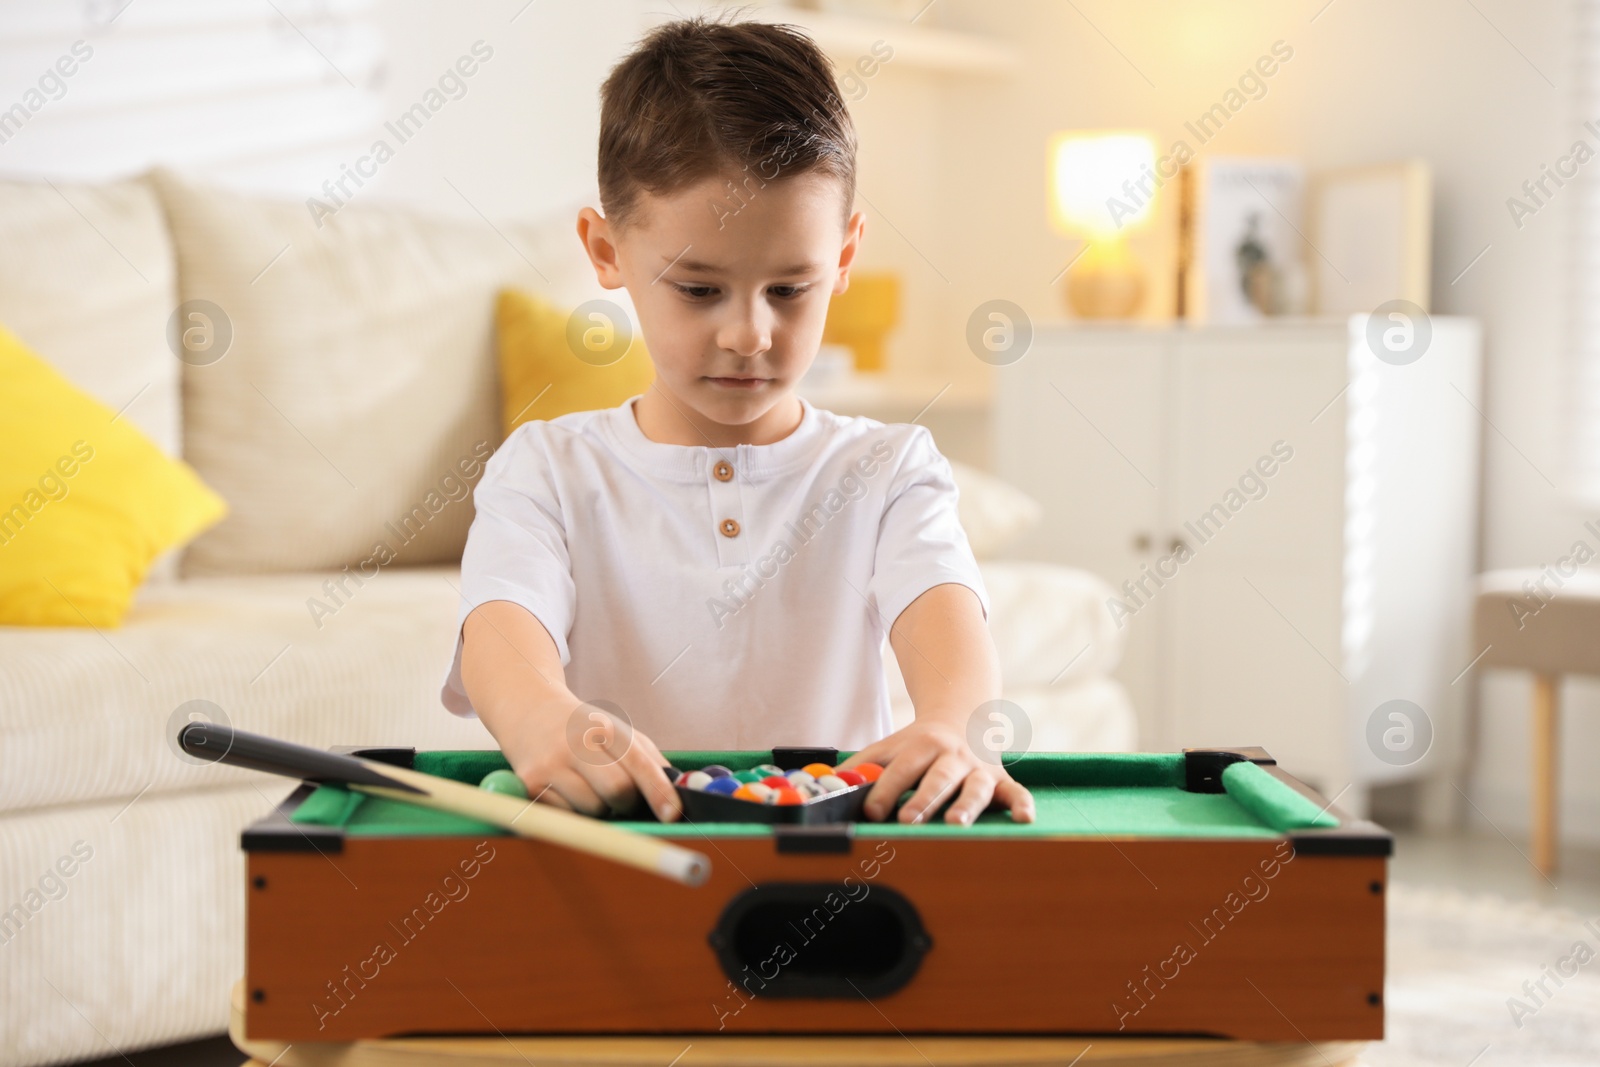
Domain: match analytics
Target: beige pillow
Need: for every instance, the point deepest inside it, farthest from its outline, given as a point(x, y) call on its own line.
point(87, 282)
point(993, 512)
point(357, 402)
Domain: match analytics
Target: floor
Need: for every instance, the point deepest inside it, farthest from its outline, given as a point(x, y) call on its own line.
point(1486, 864)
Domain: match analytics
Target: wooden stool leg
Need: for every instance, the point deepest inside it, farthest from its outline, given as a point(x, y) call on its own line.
point(1546, 788)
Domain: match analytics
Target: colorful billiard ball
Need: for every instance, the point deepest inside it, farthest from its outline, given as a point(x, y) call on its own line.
point(697, 780)
point(744, 792)
point(748, 776)
point(801, 776)
point(832, 783)
point(785, 796)
point(504, 782)
point(869, 771)
point(769, 770)
point(810, 790)
point(851, 778)
point(817, 770)
point(717, 770)
point(726, 786)
point(776, 781)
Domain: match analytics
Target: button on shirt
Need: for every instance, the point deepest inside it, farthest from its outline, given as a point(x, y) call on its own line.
point(723, 598)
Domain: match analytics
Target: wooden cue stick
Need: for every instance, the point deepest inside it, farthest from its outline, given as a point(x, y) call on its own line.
point(216, 743)
point(528, 818)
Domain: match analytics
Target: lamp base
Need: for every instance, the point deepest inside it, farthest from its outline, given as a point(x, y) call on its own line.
point(1107, 282)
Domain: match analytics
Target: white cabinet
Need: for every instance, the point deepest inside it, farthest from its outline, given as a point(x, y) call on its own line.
point(1291, 524)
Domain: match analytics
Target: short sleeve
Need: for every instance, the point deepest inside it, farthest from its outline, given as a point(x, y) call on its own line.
point(920, 540)
point(516, 549)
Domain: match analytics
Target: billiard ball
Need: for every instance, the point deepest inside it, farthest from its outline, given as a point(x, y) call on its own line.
point(759, 791)
point(769, 770)
point(697, 780)
point(748, 776)
point(776, 781)
point(817, 770)
point(832, 783)
point(717, 770)
point(785, 796)
point(869, 771)
point(725, 785)
point(851, 778)
point(744, 792)
point(800, 776)
point(810, 790)
point(504, 782)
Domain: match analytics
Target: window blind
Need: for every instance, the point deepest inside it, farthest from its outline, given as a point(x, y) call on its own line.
point(262, 93)
point(1583, 341)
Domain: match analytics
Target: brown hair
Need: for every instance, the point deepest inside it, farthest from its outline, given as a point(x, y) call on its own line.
point(699, 97)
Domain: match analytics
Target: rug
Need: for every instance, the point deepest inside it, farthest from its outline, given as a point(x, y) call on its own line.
point(1478, 981)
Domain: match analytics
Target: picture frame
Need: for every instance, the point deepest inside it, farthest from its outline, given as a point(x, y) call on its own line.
point(1241, 248)
point(1371, 227)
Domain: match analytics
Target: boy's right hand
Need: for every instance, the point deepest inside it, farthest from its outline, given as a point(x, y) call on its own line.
point(584, 758)
point(568, 753)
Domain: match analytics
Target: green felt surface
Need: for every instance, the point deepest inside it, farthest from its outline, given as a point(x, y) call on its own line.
point(1076, 794)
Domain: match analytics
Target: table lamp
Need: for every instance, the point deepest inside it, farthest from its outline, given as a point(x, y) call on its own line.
point(1102, 187)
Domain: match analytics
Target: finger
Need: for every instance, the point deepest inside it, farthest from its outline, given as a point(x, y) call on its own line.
point(644, 764)
point(1015, 796)
point(938, 784)
point(974, 800)
point(578, 794)
point(899, 774)
point(615, 784)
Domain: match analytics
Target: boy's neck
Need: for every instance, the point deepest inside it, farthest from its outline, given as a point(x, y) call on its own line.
point(668, 420)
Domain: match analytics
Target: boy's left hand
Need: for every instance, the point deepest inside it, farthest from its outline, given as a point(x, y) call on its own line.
point(938, 754)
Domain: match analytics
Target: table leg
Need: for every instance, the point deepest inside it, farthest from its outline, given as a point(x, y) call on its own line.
point(1546, 787)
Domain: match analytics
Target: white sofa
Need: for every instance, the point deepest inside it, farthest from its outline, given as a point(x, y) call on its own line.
point(361, 367)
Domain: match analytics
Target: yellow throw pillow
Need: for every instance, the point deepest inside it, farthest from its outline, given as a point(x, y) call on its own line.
point(541, 377)
point(87, 502)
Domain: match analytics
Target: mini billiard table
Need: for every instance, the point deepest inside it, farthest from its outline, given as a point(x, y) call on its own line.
point(1201, 893)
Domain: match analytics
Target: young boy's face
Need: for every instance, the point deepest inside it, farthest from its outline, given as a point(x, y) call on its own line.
point(731, 299)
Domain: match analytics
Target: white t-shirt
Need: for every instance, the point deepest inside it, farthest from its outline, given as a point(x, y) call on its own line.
point(723, 598)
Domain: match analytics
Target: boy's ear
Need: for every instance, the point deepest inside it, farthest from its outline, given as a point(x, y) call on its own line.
point(595, 233)
point(847, 254)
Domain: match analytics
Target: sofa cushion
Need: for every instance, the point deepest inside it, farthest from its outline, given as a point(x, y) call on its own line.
point(993, 512)
point(87, 280)
point(541, 374)
point(87, 500)
point(360, 379)
point(85, 715)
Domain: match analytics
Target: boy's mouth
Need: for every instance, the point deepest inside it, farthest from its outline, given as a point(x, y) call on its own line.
point(739, 383)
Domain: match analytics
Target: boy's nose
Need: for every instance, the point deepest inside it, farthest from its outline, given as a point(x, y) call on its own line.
point(749, 334)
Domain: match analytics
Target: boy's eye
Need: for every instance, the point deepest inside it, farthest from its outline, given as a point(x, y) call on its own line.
point(702, 292)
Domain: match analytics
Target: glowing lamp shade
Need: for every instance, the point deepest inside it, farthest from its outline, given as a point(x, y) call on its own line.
point(1094, 179)
point(1099, 192)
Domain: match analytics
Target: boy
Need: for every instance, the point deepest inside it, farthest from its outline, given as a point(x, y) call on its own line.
point(714, 563)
